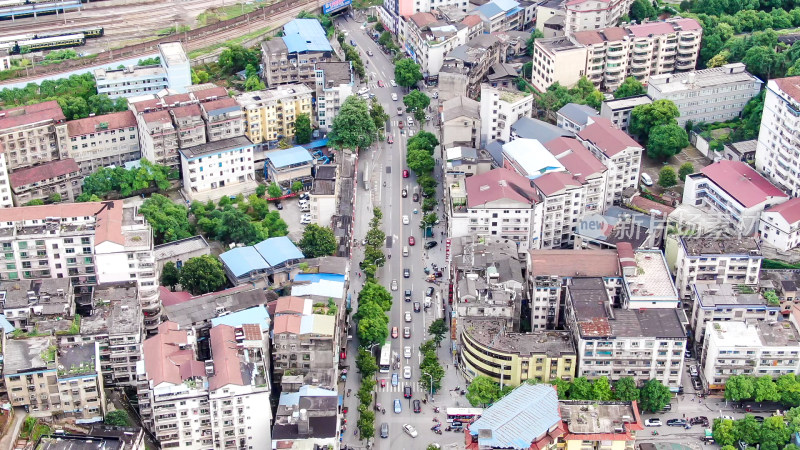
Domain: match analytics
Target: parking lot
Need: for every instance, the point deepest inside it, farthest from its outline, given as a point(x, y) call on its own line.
point(653, 167)
point(291, 215)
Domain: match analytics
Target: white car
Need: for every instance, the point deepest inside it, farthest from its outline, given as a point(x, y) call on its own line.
point(693, 371)
point(652, 423)
point(410, 121)
point(407, 351)
point(394, 285)
point(408, 428)
point(646, 180)
point(407, 372)
point(305, 221)
point(393, 83)
point(405, 220)
point(408, 316)
point(394, 96)
point(363, 90)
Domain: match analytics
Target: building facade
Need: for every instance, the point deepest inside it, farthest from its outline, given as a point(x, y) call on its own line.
point(220, 164)
point(33, 134)
point(291, 58)
point(780, 225)
point(54, 181)
point(461, 122)
point(102, 141)
point(618, 111)
point(499, 110)
point(334, 83)
point(270, 115)
point(591, 15)
point(172, 72)
point(776, 154)
point(718, 260)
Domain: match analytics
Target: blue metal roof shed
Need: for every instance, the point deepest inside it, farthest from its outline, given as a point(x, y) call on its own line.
point(243, 260)
point(319, 143)
point(256, 315)
point(278, 250)
point(305, 35)
point(289, 157)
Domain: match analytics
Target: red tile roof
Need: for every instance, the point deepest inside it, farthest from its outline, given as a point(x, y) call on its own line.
point(252, 332)
point(790, 85)
point(226, 358)
point(186, 111)
point(213, 105)
point(421, 19)
point(290, 305)
point(90, 125)
point(615, 33)
point(608, 138)
point(648, 205)
point(24, 115)
point(553, 182)
point(177, 99)
point(790, 210)
point(471, 20)
point(169, 298)
point(146, 105)
point(626, 256)
point(157, 117)
point(741, 182)
point(588, 37)
point(162, 355)
point(646, 29)
point(287, 323)
point(576, 158)
point(499, 184)
point(43, 172)
point(587, 263)
point(210, 94)
point(688, 24)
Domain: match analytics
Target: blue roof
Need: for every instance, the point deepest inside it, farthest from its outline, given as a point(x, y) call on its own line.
point(243, 260)
point(527, 127)
point(305, 35)
point(278, 250)
point(519, 418)
point(293, 398)
point(255, 315)
point(289, 156)
point(489, 10)
point(314, 277)
point(6, 325)
point(506, 5)
point(317, 144)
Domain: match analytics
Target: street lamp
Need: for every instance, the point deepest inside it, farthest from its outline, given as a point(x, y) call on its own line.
point(431, 376)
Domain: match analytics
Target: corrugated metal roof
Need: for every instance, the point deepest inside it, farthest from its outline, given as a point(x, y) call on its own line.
point(278, 250)
point(289, 156)
point(519, 418)
point(243, 260)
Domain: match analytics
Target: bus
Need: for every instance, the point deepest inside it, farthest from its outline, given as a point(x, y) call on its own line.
point(386, 358)
point(463, 415)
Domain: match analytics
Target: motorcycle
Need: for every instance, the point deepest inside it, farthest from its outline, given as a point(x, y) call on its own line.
point(436, 409)
point(436, 419)
point(437, 431)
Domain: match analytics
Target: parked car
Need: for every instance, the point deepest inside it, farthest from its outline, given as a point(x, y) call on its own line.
point(726, 417)
point(652, 423)
point(698, 386)
point(693, 370)
point(417, 406)
point(410, 430)
point(699, 420)
point(430, 244)
point(278, 205)
point(759, 419)
point(646, 180)
point(394, 332)
point(404, 193)
point(676, 423)
point(407, 392)
point(429, 291)
point(398, 408)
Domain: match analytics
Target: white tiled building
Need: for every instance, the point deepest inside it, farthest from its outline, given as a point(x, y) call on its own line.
point(592, 14)
point(499, 110)
point(334, 82)
point(648, 282)
point(777, 154)
point(224, 163)
point(5, 186)
point(780, 225)
point(101, 141)
point(618, 111)
point(172, 72)
point(716, 259)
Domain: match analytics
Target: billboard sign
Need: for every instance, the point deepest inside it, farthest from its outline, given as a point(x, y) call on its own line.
point(335, 5)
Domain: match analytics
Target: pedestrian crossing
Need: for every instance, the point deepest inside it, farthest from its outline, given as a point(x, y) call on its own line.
point(416, 386)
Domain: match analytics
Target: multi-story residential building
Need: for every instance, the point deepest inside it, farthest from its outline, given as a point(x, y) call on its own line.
point(224, 119)
point(196, 404)
point(461, 122)
point(643, 344)
point(501, 15)
point(563, 203)
point(290, 58)
point(619, 225)
point(101, 141)
point(45, 378)
point(103, 436)
point(324, 194)
point(618, 111)
point(711, 95)
point(551, 271)
point(734, 191)
point(648, 282)
point(607, 56)
point(500, 109)
point(464, 162)
point(575, 117)
point(497, 203)
point(714, 302)
point(614, 428)
point(529, 128)
point(33, 134)
point(474, 60)
point(191, 129)
point(54, 181)
point(428, 40)
point(172, 72)
point(209, 170)
point(6, 198)
point(24, 303)
point(618, 152)
point(158, 136)
point(270, 115)
point(777, 156)
point(551, 17)
point(748, 348)
point(302, 342)
point(780, 225)
point(716, 259)
point(585, 15)
point(334, 83)
point(510, 358)
point(306, 418)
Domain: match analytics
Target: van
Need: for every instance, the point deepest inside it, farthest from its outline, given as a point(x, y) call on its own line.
point(384, 430)
point(405, 250)
point(646, 180)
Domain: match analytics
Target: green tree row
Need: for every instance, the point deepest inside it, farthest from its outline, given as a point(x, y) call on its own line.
point(652, 396)
point(242, 221)
point(584, 93)
point(431, 370)
point(354, 126)
point(786, 389)
point(126, 182)
point(771, 434)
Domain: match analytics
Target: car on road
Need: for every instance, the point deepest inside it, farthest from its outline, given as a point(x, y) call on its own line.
point(415, 197)
point(393, 83)
point(411, 240)
point(407, 351)
point(407, 316)
point(406, 332)
point(394, 332)
point(380, 83)
point(363, 90)
point(652, 423)
point(416, 306)
point(407, 372)
point(406, 220)
point(405, 174)
point(394, 285)
point(400, 124)
point(404, 193)
point(390, 139)
point(699, 420)
point(395, 379)
point(429, 291)
point(383, 382)
point(698, 386)
point(369, 52)
point(417, 406)
point(407, 392)
point(398, 408)
point(394, 97)
point(400, 111)
point(726, 417)
point(406, 273)
point(688, 354)
point(430, 244)
point(676, 423)
point(352, 42)
point(759, 419)
point(407, 295)
point(384, 430)
point(410, 430)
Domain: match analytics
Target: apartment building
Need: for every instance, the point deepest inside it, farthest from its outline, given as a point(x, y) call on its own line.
point(780, 225)
point(574, 117)
point(461, 122)
point(102, 141)
point(224, 119)
point(90, 243)
point(618, 152)
point(334, 83)
point(428, 40)
point(307, 416)
point(192, 402)
point(647, 280)
point(613, 426)
point(53, 181)
point(24, 303)
point(208, 168)
point(290, 59)
point(270, 115)
point(6, 198)
point(103, 436)
point(501, 15)
point(713, 302)
point(551, 17)
point(324, 195)
point(189, 125)
point(591, 15)
point(716, 259)
point(474, 59)
point(618, 111)
point(33, 134)
point(733, 191)
point(48, 379)
point(711, 95)
point(302, 342)
point(511, 358)
point(500, 109)
point(551, 271)
point(172, 72)
point(644, 344)
point(748, 348)
point(158, 136)
point(498, 203)
point(777, 154)
point(607, 56)
point(464, 162)
point(288, 165)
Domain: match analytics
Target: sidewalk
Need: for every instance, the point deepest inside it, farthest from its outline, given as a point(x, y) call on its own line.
point(8, 439)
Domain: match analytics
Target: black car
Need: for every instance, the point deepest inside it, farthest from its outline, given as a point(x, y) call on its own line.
point(407, 392)
point(406, 273)
point(279, 206)
point(676, 423)
point(699, 420)
point(759, 419)
point(429, 291)
point(417, 406)
point(407, 295)
point(404, 192)
point(430, 244)
point(416, 306)
point(415, 197)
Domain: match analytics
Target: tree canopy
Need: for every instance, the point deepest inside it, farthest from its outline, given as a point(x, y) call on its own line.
point(169, 220)
point(77, 96)
point(631, 86)
point(127, 182)
point(416, 102)
point(202, 274)
point(666, 141)
point(483, 391)
point(407, 73)
point(667, 177)
point(317, 241)
point(654, 396)
point(353, 127)
point(170, 275)
point(646, 117)
point(236, 58)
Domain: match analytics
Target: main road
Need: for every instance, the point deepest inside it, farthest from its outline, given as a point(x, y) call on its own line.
point(385, 164)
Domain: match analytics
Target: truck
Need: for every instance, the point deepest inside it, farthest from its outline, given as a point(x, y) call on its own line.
point(366, 180)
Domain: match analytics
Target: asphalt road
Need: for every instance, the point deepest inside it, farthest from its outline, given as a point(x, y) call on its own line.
point(385, 163)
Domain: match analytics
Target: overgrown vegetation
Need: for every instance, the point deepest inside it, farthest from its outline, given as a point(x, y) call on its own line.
point(126, 183)
point(242, 221)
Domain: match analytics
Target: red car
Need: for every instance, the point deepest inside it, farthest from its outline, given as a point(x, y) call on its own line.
point(390, 139)
point(383, 382)
point(405, 173)
point(380, 83)
point(400, 124)
point(411, 240)
point(394, 332)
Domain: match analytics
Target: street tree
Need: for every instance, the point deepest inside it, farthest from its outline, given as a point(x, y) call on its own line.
point(302, 129)
point(667, 177)
point(385, 39)
point(654, 396)
point(416, 102)
point(424, 140)
point(353, 128)
point(366, 363)
point(372, 330)
point(366, 424)
point(317, 241)
point(375, 293)
point(483, 391)
point(739, 387)
point(646, 117)
point(438, 329)
point(666, 141)
point(774, 433)
point(765, 389)
point(748, 430)
point(625, 389)
point(202, 274)
point(724, 432)
point(581, 389)
point(686, 169)
point(378, 115)
point(274, 191)
point(407, 73)
point(630, 87)
point(789, 388)
point(601, 389)
point(170, 275)
point(420, 161)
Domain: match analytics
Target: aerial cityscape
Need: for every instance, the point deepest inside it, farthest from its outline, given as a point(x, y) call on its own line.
point(400, 224)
